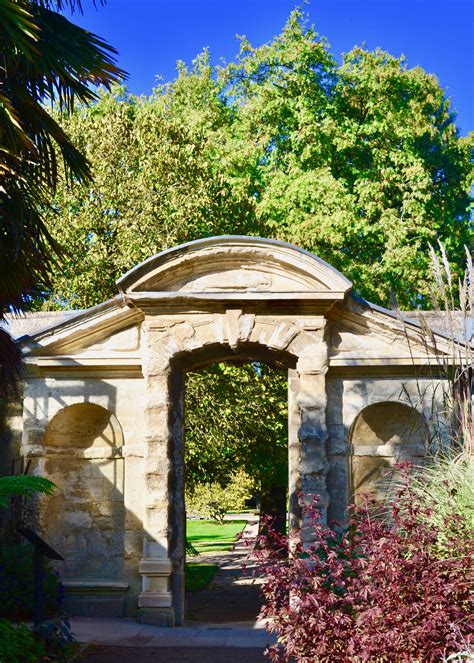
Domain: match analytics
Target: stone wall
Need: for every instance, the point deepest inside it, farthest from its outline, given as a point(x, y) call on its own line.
point(114, 449)
point(87, 436)
point(95, 438)
point(361, 450)
point(103, 407)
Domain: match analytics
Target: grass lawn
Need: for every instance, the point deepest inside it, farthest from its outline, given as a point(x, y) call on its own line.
point(208, 536)
point(199, 576)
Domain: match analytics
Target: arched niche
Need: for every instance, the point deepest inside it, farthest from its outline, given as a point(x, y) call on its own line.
point(84, 518)
point(83, 426)
point(382, 435)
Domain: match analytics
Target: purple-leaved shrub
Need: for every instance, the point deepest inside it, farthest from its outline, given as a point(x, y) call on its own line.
point(377, 592)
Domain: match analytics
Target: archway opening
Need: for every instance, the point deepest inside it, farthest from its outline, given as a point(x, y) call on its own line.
point(235, 474)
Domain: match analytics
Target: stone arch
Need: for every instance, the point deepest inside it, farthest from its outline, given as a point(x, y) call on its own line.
point(185, 360)
point(177, 345)
point(245, 352)
point(381, 435)
point(84, 517)
point(213, 299)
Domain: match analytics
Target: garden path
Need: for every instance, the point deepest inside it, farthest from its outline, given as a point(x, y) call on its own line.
point(233, 596)
point(222, 623)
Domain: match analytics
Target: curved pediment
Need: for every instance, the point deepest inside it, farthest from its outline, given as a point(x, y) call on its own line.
point(234, 264)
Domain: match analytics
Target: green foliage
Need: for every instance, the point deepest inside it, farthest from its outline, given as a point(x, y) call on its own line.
point(157, 183)
point(236, 418)
point(23, 485)
point(211, 500)
point(361, 163)
point(16, 583)
point(240, 488)
point(17, 644)
point(208, 500)
point(198, 576)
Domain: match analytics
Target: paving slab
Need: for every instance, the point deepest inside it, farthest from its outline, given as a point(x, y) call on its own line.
point(176, 655)
point(126, 632)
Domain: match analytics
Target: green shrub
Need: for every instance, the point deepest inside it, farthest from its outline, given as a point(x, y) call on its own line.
point(211, 500)
point(208, 500)
point(18, 645)
point(16, 583)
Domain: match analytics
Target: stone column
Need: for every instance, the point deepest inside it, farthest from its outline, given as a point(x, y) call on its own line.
point(294, 451)
point(177, 525)
point(155, 600)
point(312, 367)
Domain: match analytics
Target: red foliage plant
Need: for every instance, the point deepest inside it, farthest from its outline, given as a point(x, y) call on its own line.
point(375, 593)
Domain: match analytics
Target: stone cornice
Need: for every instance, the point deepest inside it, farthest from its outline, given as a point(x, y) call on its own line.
point(91, 325)
point(100, 366)
point(293, 303)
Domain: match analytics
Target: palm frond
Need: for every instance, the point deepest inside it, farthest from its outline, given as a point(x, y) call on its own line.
point(45, 58)
point(61, 5)
point(23, 485)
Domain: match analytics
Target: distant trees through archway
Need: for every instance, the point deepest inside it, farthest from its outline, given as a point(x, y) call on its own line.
point(236, 427)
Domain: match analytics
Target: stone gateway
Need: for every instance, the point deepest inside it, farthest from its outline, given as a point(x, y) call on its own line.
point(103, 417)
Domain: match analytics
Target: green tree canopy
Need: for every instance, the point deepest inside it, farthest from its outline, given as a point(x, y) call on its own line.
point(360, 163)
point(236, 418)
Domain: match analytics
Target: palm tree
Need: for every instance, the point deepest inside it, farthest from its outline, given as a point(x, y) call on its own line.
point(44, 59)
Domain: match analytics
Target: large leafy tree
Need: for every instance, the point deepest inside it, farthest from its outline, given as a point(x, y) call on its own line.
point(44, 59)
point(158, 181)
point(361, 163)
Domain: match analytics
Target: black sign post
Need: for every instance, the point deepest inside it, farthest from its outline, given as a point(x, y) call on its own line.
point(40, 550)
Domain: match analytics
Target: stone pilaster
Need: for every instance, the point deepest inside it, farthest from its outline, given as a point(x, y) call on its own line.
point(155, 600)
point(294, 452)
point(312, 402)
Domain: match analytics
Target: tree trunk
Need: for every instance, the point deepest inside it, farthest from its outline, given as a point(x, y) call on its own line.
point(273, 504)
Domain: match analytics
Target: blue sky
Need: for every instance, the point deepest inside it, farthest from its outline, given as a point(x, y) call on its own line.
point(151, 35)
